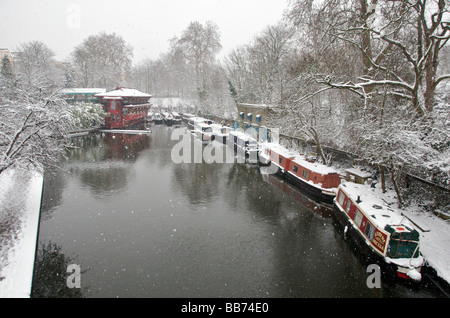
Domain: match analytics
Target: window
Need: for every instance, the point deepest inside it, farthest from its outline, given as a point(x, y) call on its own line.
point(295, 169)
point(347, 206)
point(113, 105)
point(113, 118)
point(370, 230)
point(280, 159)
point(305, 174)
point(358, 218)
point(341, 197)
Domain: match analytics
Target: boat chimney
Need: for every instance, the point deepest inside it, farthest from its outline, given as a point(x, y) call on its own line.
point(358, 200)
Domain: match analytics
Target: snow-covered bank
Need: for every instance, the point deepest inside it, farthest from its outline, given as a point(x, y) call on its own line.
point(435, 242)
point(20, 200)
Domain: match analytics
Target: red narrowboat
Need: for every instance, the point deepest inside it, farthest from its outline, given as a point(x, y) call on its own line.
point(380, 230)
point(317, 179)
point(125, 107)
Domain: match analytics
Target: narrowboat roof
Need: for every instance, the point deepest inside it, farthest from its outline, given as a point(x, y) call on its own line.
point(300, 159)
point(237, 132)
point(279, 149)
point(313, 166)
point(374, 207)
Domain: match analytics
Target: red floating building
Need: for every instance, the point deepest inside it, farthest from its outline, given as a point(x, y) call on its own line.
point(125, 107)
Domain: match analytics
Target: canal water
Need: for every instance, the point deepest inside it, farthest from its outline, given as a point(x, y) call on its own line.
point(121, 219)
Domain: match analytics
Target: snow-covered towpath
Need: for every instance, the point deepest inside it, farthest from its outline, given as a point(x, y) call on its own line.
point(20, 200)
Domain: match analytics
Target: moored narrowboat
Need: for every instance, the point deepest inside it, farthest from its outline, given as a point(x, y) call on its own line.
point(385, 232)
point(317, 179)
point(176, 119)
point(232, 138)
point(203, 132)
point(248, 147)
point(220, 132)
point(167, 118)
point(194, 121)
point(157, 119)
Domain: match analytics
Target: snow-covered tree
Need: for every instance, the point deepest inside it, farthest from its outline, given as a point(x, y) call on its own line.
point(103, 60)
point(257, 71)
point(37, 74)
point(196, 50)
point(86, 115)
point(33, 134)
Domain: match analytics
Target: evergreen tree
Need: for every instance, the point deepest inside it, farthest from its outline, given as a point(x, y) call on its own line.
point(7, 79)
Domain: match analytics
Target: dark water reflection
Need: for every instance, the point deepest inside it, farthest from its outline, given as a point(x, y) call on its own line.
point(141, 226)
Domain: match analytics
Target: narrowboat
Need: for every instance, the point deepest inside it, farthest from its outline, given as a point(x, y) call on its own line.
point(157, 119)
point(247, 146)
point(167, 118)
point(317, 179)
point(383, 231)
point(203, 132)
point(176, 119)
point(193, 121)
point(220, 132)
point(125, 107)
point(186, 117)
point(233, 138)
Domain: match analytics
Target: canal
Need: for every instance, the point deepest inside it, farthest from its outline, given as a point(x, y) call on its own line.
point(136, 224)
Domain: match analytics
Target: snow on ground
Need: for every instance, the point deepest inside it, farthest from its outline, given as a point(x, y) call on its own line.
point(20, 200)
point(435, 243)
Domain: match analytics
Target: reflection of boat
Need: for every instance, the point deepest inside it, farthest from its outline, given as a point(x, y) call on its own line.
point(385, 232)
point(157, 119)
point(220, 132)
point(318, 179)
point(312, 205)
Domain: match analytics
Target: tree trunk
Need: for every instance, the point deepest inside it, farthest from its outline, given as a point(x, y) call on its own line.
point(383, 178)
point(396, 188)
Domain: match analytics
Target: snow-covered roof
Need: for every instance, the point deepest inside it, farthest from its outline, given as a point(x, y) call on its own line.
point(83, 90)
point(124, 92)
point(313, 166)
point(358, 172)
point(373, 206)
point(299, 159)
point(279, 149)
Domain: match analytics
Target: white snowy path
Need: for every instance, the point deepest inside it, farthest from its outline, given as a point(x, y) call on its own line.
point(435, 244)
point(20, 200)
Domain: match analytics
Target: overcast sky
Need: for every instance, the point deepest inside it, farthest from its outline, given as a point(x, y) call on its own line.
point(147, 25)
